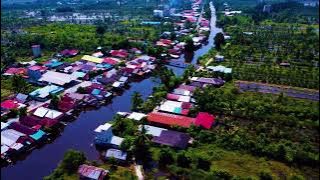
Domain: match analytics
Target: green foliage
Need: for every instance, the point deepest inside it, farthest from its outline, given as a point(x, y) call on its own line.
point(136, 101)
point(265, 175)
point(165, 157)
point(55, 99)
point(220, 174)
point(72, 160)
point(123, 127)
point(219, 40)
point(23, 111)
point(203, 164)
point(189, 44)
point(183, 160)
point(18, 84)
point(81, 90)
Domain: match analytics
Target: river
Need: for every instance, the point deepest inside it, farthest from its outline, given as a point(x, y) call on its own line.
point(79, 133)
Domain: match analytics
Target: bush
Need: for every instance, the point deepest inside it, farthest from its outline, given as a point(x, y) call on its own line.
point(183, 161)
point(265, 175)
point(220, 174)
point(72, 160)
point(165, 157)
point(203, 164)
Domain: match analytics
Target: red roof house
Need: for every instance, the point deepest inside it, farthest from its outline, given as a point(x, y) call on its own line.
point(18, 71)
point(170, 119)
point(66, 103)
point(119, 53)
point(204, 119)
point(9, 104)
point(110, 60)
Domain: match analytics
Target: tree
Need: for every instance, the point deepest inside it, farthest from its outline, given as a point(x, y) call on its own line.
point(72, 160)
point(265, 175)
point(54, 101)
point(183, 160)
point(141, 149)
point(165, 157)
point(219, 174)
point(203, 164)
point(18, 84)
point(23, 112)
point(136, 101)
point(189, 44)
point(219, 40)
point(100, 30)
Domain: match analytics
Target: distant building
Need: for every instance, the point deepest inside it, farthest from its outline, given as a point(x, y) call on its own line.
point(157, 13)
point(36, 50)
point(267, 8)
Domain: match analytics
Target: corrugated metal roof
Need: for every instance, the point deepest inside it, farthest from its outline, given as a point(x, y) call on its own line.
point(92, 59)
point(152, 130)
point(136, 116)
point(116, 153)
point(170, 119)
point(57, 78)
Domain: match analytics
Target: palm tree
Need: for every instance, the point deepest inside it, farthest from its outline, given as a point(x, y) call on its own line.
point(136, 101)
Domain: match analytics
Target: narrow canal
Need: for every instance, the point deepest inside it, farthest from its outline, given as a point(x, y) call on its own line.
point(79, 134)
point(191, 58)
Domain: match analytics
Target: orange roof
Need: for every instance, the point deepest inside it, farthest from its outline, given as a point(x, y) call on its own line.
point(170, 119)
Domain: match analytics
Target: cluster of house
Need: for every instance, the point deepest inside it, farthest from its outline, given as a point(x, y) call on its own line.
point(173, 111)
point(85, 82)
point(191, 16)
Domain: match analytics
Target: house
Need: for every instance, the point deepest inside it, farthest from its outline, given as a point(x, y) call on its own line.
point(42, 94)
point(69, 52)
point(21, 98)
point(175, 107)
point(11, 104)
point(43, 112)
point(53, 63)
point(92, 59)
point(117, 154)
point(34, 121)
point(92, 172)
point(179, 98)
point(173, 139)
point(14, 139)
point(104, 127)
point(36, 135)
point(169, 119)
point(158, 13)
point(182, 92)
point(36, 50)
point(111, 60)
point(98, 54)
point(121, 53)
point(187, 87)
point(57, 78)
point(152, 130)
point(208, 81)
point(136, 116)
point(15, 71)
point(219, 58)
point(105, 136)
point(204, 120)
point(219, 69)
point(4, 126)
point(67, 103)
point(164, 42)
